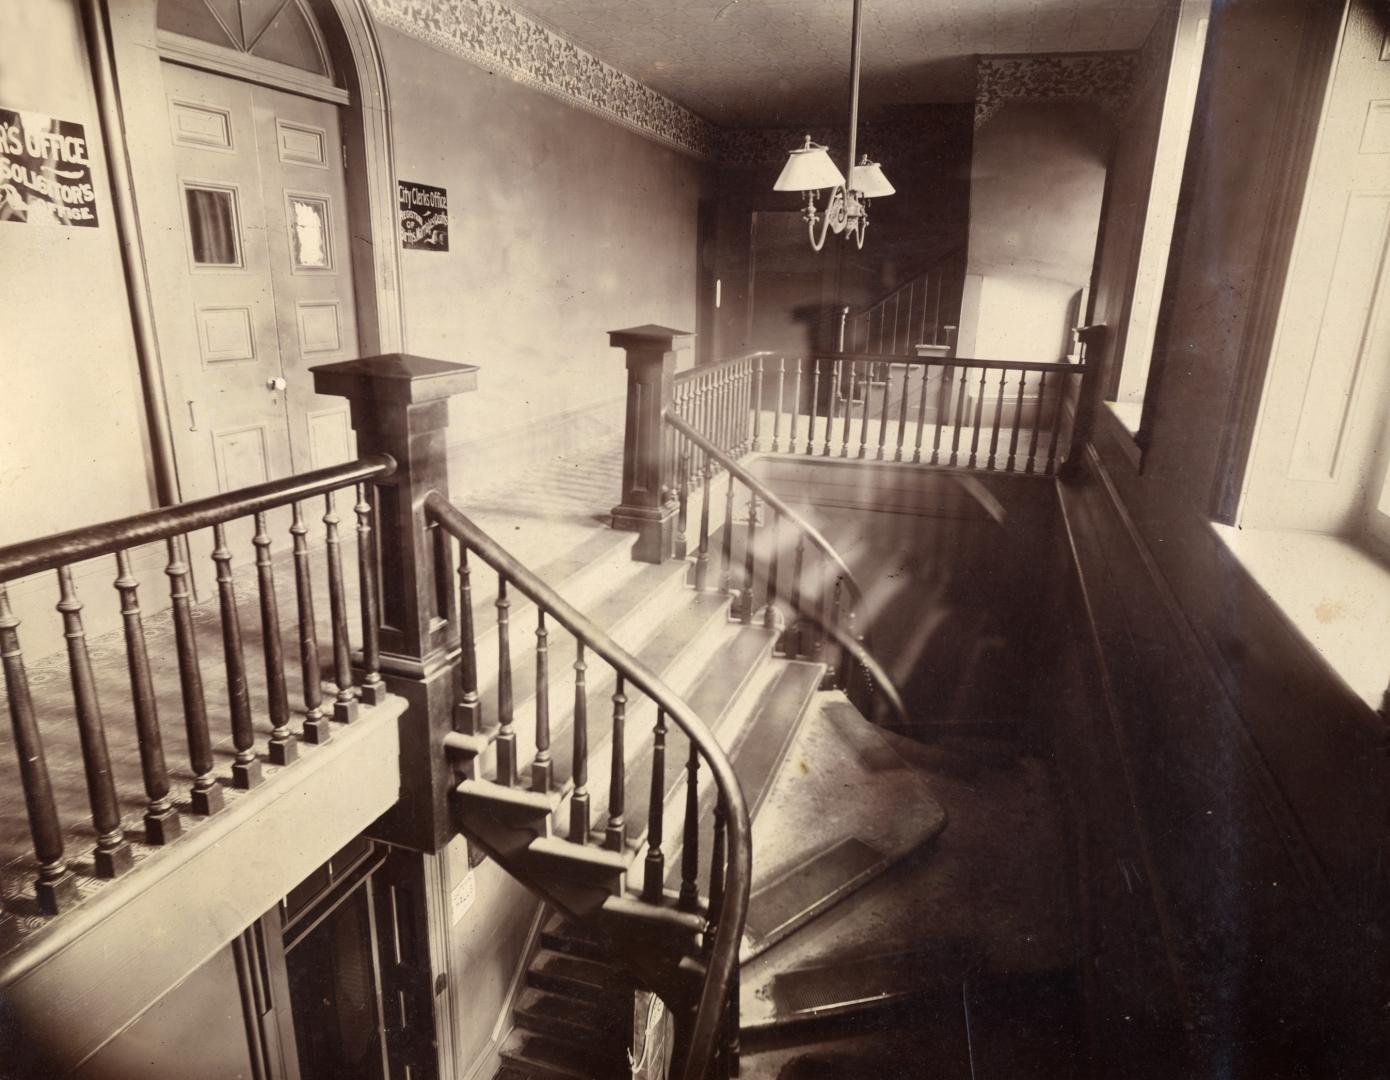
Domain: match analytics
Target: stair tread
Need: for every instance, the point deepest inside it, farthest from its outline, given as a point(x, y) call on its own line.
point(578, 969)
point(560, 1057)
point(763, 744)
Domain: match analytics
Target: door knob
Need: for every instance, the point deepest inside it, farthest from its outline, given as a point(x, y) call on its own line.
point(276, 383)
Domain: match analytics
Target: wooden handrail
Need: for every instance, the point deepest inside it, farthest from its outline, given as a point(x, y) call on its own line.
point(723, 955)
point(1063, 366)
point(719, 365)
point(765, 493)
point(842, 637)
point(91, 541)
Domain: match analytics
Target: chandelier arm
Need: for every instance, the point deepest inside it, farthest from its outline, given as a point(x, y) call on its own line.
point(818, 243)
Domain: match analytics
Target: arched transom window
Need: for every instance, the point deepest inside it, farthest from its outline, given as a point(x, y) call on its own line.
point(280, 30)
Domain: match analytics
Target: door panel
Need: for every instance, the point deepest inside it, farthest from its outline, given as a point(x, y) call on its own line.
point(302, 181)
point(240, 423)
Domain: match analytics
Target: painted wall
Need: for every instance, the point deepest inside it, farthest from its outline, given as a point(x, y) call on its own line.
point(72, 442)
point(564, 226)
point(1256, 774)
point(1037, 178)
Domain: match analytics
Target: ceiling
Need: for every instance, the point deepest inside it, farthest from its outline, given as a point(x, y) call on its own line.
point(767, 63)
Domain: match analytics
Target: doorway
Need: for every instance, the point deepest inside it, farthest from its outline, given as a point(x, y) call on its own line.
point(261, 244)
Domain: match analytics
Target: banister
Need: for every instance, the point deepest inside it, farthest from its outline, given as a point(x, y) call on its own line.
point(91, 541)
point(843, 638)
point(723, 957)
point(1063, 366)
point(735, 469)
point(709, 369)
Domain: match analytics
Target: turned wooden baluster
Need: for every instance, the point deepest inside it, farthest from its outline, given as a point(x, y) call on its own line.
point(777, 404)
point(979, 417)
point(468, 710)
point(774, 562)
point(579, 801)
point(246, 766)
point(717, 857)
point(943, 405)
point(112, 855)
point(883, 405)
point(902, 410)
point(865, 388)
point(796, 407)
point(842, 654)
point(1056, 428)
point(282, 748)
point(316, 726)
point(1018, 416)
point(849, 409)
point(815, 407)
point(55, 887)
point(690, 845)
point(922, 413)
point(345, 704)
point(1037, 424)
point(748, 584)
point(726, 546)
point(541, 766)
point(206, 793)
point(758, 404)
point(161, 819)
point(616, 833)
point(998, 417)
point(794, 641)
point(655, 866)
point(680, 545)
point(962, 375)
point(372, 689)
point(836, 375)
point(702, 553)
point(507, 764)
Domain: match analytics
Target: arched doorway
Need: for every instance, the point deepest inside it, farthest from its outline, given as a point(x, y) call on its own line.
point(274, 180)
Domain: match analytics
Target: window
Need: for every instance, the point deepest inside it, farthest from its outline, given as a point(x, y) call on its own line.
point(213, 231)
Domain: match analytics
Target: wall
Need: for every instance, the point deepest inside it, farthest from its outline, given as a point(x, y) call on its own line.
point(564, 226)
point(72, 442)
point(1037, 178)
point(1258, 777)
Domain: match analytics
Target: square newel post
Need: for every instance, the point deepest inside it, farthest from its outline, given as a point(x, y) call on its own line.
point(647, 508)
point(400, 406)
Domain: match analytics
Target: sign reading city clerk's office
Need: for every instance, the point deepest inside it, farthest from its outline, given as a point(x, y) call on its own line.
point(45, 171)
point(424, 217)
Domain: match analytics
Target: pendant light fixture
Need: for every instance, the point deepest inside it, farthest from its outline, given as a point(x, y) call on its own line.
point(810, 169)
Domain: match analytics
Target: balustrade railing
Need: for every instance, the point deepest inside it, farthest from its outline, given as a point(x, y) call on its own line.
point(997, 415)
point(815, 604)
point(920, 311)
point(674, 723)
point(175, 528)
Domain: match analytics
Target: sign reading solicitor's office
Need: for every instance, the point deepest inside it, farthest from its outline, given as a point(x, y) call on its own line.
point(424, 217)
point(45, 171)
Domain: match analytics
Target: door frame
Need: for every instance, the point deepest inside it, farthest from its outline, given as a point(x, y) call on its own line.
point(137, 50)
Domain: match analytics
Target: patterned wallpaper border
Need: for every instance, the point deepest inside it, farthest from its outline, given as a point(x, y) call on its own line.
point(1102, 78)
point(494, 35)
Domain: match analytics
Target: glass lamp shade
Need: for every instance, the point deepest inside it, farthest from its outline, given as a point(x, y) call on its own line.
point(869, 181)
point(809, 168)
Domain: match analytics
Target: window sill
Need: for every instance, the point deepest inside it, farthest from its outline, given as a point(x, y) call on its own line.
point(1128, 413)
point(1336, 594)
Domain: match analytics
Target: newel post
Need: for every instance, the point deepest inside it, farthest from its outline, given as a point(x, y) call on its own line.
point(1092, 339)
point(400, 406)
point(647, 508)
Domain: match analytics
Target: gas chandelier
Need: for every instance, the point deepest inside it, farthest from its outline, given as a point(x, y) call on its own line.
point(810, 169)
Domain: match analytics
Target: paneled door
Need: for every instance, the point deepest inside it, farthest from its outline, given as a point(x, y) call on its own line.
point(262, 204)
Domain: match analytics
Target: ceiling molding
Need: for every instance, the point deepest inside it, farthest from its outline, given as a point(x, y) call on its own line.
point(1103, 79)
point(500, 38)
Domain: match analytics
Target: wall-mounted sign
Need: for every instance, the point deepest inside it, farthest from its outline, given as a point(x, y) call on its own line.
point(424, 217)
point(45, 171)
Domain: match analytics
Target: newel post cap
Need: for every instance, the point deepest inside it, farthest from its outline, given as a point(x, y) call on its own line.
point(395, 379)
point(650, 337)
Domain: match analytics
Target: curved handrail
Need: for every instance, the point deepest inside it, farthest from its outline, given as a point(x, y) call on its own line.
point(843, 637)
point(47, 552)
point(763, 492)
point(729, 931)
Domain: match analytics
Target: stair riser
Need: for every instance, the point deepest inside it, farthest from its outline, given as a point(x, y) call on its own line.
point(570, 1031)
point(588, 950)
point(601, 996)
